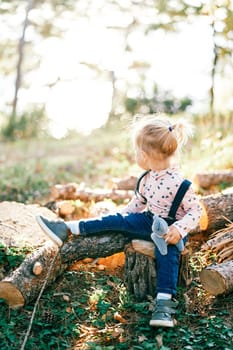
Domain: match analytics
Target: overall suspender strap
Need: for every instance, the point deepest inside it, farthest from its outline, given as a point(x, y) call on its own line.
point(137, 192)
point(178, 198)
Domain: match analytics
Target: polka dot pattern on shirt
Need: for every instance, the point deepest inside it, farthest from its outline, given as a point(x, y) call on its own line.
point(160, 188)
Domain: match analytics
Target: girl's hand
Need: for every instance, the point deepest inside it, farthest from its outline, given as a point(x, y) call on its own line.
point(172, 236)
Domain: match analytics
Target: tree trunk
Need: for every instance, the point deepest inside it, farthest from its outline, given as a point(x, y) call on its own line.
point(20, 59)
point(213, 70)
point(218, 279)
point(206, 180)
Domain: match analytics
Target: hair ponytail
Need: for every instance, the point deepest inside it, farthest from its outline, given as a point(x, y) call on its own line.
point(183, 131)
point(158, 137)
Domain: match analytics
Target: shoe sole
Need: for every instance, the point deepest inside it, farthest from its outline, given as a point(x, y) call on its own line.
point(48, 232)
point(161, 323)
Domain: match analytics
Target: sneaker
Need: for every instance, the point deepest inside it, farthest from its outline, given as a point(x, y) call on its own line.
point(163, 313)
point(56, 230)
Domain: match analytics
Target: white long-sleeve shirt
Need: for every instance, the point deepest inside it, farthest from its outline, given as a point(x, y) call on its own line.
point(159, 188)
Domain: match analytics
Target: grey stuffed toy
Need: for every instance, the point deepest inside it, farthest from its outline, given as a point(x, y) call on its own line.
point(159, 228)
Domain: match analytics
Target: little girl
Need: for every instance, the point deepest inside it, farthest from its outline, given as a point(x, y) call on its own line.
point(161, 192)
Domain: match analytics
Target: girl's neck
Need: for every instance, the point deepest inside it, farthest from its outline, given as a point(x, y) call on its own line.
point(160, 165)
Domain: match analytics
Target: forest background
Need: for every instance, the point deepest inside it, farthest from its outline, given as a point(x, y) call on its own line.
point(73, 74)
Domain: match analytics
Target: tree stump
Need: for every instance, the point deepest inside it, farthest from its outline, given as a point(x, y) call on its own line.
point(140, 273)
point(140, 269)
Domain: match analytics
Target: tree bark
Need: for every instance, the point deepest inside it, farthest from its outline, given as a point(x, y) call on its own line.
point(24, 284)
point(20, 59)
point(140, 269)
point(221, 243)
point(218, 279)
point(206, 180)
point(140, 274)
point(217, 213)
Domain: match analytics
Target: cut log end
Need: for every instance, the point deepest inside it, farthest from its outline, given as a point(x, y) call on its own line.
point(144, 247)
point(218, 279)
point(212, 282)
point(11, 295)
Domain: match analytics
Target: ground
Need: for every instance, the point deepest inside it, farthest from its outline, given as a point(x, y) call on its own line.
point(89, 308)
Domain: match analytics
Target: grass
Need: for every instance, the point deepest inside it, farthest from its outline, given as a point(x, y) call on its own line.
point(31, 168)
point(88, 309)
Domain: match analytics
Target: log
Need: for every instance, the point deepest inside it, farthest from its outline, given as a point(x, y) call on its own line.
point(71, 210)
point(65, 208)
point(18, 228)
point(218, 279)
point(209, 179)
point(221, 243)
point(128, 183)
point(72, 191)
point(217, 208)
point(24, 285)
point(144, 247)
point(217, 212)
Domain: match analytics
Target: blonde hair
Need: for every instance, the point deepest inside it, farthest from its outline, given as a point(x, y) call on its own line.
point(159, 137)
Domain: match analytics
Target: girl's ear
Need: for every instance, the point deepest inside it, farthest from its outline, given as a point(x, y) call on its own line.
point(144, 155)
